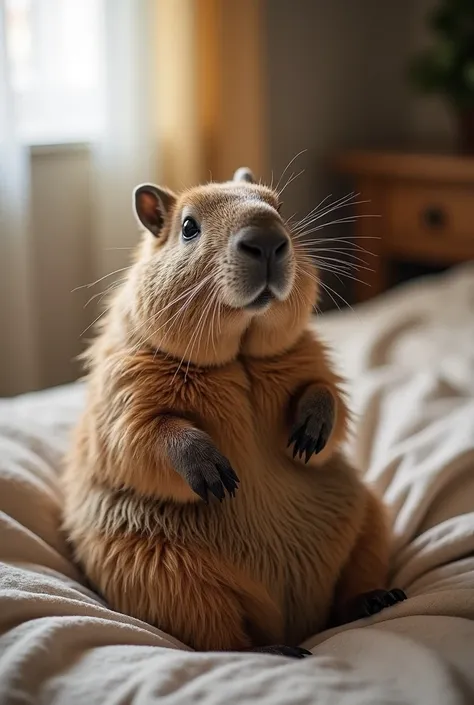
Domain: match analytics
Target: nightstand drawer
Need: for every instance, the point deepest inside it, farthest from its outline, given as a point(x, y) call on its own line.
point(426, 204)
point(431, 220)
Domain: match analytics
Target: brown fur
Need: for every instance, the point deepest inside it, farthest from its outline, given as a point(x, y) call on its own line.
point(262, 567)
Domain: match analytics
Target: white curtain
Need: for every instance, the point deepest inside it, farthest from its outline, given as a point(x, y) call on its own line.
point(123, 155)
point(127, 151)
point(19, 365)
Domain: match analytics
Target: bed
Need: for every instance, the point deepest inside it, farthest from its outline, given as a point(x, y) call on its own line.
point(409, 359)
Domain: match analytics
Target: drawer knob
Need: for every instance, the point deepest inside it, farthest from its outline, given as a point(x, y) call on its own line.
point(434, 217)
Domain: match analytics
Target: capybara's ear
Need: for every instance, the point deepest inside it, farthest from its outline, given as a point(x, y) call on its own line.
point(152, 205)
point(244, 174)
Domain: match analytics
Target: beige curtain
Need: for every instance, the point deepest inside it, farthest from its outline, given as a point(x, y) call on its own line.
point(211, 89)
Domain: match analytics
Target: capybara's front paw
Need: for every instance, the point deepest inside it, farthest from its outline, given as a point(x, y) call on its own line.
point(202, 466)
point(312, 427)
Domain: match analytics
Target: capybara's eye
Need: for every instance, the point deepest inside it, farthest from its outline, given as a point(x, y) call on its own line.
point(190, 229)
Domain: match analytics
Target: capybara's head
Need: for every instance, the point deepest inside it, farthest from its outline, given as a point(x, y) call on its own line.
point(218, 273)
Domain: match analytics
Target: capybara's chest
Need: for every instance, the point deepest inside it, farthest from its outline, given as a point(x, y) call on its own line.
point(244, 405)
point(217, 400)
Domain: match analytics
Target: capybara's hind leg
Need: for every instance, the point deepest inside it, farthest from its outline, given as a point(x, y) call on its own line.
point(370, 603)
point(280, 650)
point(361, 590)
point(183, 590)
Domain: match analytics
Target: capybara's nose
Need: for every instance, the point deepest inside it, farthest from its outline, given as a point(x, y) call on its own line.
point(262, 244)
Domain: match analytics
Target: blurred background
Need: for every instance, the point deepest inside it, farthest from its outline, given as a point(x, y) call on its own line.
point(99, 95)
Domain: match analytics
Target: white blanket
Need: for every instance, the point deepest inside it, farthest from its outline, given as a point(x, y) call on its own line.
point(410, 361)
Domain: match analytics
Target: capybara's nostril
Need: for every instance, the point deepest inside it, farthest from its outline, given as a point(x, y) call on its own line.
point(282, 249)
point(249, 249)
point(263, 244)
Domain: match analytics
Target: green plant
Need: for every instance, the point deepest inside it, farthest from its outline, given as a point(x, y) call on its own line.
point(447, 66)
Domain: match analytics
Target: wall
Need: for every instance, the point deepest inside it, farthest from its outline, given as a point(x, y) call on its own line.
point(337, 78)
point(61, 217)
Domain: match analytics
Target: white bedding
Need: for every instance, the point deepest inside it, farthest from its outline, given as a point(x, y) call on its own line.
point(410, 359)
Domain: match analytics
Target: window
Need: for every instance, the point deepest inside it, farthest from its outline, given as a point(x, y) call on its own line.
point(54, 51)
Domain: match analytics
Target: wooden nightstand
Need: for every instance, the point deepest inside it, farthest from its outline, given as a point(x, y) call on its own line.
point(426, 204)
